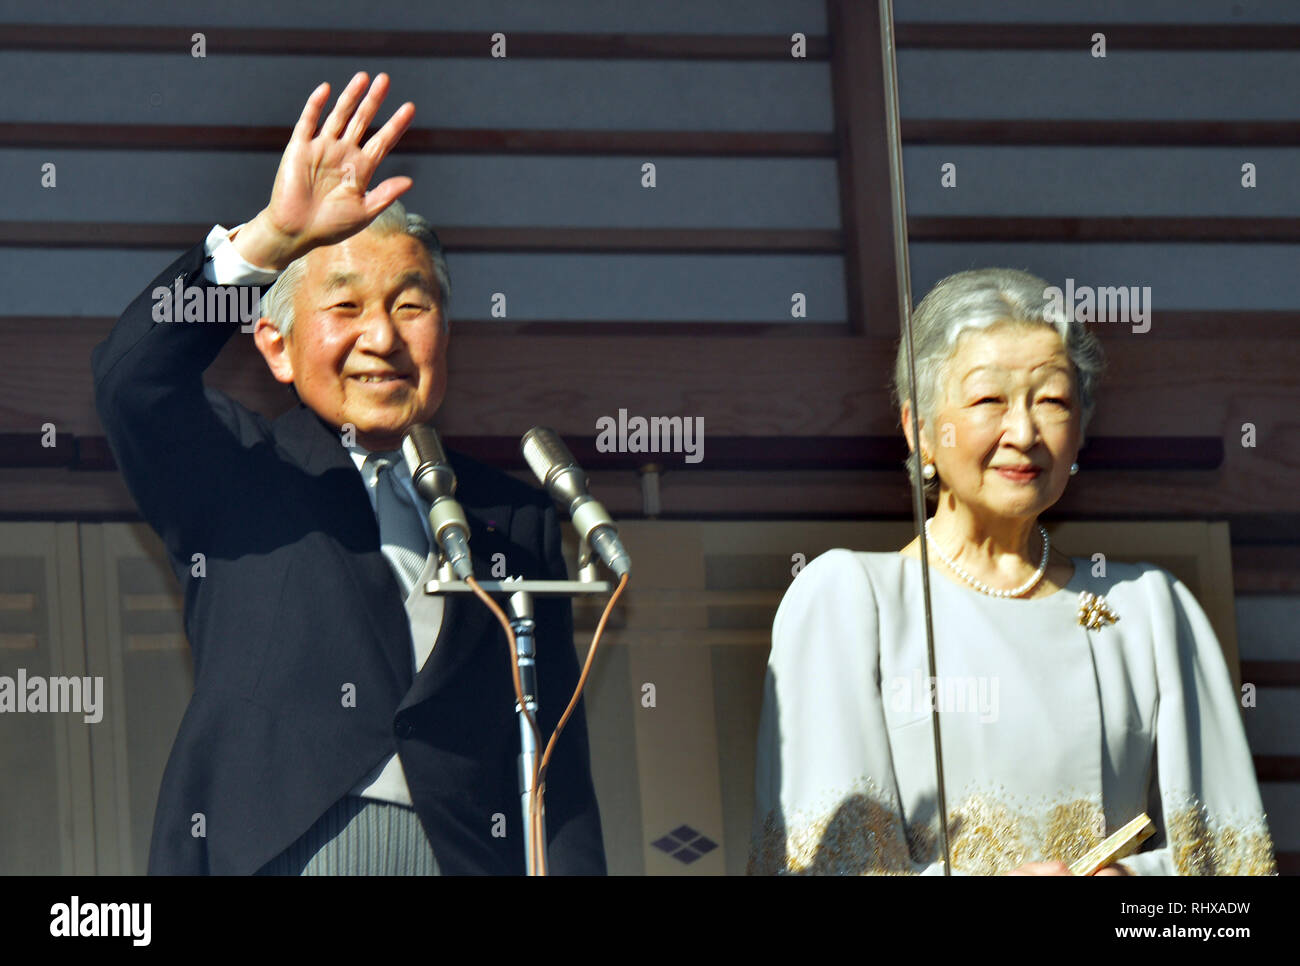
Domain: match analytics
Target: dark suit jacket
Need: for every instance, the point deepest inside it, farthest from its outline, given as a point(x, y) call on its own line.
point(296, 601)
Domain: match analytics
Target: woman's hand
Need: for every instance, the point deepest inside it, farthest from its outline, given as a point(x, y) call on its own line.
point(1060, 868)
point(319, 196)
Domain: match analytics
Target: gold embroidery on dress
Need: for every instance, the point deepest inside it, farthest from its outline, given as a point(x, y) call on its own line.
point(989, 837)
point(862, 834)
point(1199, 845)
point(858, 833)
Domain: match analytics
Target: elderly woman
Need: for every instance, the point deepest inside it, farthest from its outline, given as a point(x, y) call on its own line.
point(1063, 717)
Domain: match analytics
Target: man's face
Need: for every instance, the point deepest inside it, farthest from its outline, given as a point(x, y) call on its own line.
point(367, 345)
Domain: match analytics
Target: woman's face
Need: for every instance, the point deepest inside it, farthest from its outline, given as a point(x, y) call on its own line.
point(1011, 402)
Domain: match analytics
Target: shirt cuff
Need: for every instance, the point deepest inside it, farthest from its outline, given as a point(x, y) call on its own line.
point(225, 266)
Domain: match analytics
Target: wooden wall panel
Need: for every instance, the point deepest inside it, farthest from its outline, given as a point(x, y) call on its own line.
point(48, 826)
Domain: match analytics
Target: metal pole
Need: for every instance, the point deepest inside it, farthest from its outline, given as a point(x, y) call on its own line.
point(899, 198)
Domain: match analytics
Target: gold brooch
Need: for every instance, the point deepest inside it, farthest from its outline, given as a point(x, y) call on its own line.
point(1094, 612)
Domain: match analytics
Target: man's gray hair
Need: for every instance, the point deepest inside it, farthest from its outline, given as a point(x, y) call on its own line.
point(277, 301)
point(978, 300)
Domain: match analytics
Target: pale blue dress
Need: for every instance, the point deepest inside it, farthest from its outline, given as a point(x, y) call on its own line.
point(1054, 735)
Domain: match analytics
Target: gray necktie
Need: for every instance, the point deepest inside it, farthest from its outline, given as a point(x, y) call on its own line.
point(401, 533)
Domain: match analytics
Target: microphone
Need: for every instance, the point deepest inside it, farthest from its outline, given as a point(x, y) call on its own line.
point(435, 480)
point(557, 471)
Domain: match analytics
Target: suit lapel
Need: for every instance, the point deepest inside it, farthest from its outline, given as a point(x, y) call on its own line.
point(341, 502)
point(466, 621)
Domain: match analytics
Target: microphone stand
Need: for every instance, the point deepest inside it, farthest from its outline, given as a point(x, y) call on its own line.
point(518, 594)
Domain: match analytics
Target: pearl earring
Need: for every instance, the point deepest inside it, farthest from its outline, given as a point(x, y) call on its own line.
point(928, 471)
point(1074, 468)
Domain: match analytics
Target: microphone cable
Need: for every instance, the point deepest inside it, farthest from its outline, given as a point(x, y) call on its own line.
point(536, 798)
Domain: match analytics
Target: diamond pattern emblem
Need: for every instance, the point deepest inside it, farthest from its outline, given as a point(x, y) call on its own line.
point(685, 844)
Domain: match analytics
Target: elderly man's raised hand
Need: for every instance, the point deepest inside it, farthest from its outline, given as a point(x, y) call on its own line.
point(320, 195)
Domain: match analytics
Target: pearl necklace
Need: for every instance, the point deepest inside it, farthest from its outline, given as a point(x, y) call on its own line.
point(985, 588)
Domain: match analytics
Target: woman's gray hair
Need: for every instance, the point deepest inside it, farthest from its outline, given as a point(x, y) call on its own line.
point(277, 301)
point(978, 300)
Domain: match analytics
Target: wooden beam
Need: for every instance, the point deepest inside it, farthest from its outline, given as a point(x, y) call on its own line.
point(1271, 674)
point(1106, 132)
point(795, 386)
point(1266, 568)
point(857, 80)
point(1127, 228)
point(295, 42)
point(748, 453)
point(698, 241)
point(734, 144)
point(1165, 324)
point(1119, 36)
point(469, 238)
point(798, 386)
point(1277, 768)
point(30, 450)
point(280, 41)
point(510, 141)
point(1239, 324)
point(53, 493)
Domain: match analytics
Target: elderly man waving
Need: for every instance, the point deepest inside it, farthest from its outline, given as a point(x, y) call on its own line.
point(342, 721)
